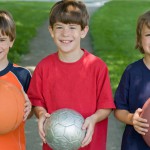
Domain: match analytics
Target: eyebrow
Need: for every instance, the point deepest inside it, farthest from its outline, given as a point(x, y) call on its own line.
point(71, 24)
point(147, 34)
point(3, 37)
point(57, 24)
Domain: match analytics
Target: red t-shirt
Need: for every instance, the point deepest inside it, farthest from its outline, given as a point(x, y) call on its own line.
point(83, 86)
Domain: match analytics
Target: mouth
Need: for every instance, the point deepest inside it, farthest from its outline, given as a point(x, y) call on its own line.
point(66, 41)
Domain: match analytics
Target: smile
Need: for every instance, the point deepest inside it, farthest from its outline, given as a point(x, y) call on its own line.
point(66, 41)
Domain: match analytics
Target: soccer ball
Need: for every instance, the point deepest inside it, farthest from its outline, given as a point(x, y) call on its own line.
point(64, 130)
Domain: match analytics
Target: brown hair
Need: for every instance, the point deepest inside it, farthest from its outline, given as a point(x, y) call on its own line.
point(142, 20)
point(7, 25)
point(69, 11)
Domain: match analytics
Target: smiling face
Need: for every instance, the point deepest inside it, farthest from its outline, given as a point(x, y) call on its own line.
point(68, 23)
point(7, 36)
point(67, 36)
point(5, 44)
point(145, 39)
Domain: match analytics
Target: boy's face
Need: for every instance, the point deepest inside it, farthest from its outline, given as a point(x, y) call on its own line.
point(5, 44)
point(67, 36)
point(146, 39)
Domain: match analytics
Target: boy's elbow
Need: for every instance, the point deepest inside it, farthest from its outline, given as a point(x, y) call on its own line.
point(116, 113)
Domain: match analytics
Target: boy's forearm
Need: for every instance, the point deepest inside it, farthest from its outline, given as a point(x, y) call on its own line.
point(101, 114)
point(39, 111)
point(124, 116)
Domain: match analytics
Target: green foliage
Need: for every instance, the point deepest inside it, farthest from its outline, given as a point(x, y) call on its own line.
point(28, 17)
point(113, 31)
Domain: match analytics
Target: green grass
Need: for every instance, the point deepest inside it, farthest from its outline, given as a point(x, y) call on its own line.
point(28, 17)
point(113, 29)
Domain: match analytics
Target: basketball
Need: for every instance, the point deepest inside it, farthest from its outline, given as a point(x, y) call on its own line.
point(63, 130)
point(11, 107)
point(146, 114)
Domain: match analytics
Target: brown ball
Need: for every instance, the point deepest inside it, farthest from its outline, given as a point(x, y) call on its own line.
point(146, 115)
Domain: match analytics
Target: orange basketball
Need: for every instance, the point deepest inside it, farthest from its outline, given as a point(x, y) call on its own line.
point(11, 107)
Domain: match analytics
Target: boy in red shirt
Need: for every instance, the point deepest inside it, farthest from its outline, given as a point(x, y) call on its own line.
point(72, 77)
point(17, 75)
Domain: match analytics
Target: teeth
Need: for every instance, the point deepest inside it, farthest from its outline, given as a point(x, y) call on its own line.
point(66, 41)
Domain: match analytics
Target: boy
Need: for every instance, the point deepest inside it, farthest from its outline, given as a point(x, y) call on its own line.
point(134, 90)
point(72, 77)
point(14, 140)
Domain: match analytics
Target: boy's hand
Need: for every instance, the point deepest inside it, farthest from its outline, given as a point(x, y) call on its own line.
point(27, 106)
point(41, 121)
point(140, 124)
point(88, 125)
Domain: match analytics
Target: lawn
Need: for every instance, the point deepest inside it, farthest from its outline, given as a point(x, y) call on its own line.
point(28, 17)
point(113, 29)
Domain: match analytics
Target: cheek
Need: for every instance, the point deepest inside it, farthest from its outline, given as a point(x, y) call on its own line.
point(56, 41)
point(3, 45)
point(144, 42)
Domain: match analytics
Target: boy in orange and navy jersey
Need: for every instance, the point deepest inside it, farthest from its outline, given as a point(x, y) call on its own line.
point(17, 75)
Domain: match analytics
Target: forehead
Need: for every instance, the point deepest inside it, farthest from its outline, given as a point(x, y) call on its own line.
point(66, 24)
point(3, 35)
point(145, 28)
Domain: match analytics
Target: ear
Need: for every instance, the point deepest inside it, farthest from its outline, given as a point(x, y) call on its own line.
point(84, 32)
point(51, 31)
point(11, 44)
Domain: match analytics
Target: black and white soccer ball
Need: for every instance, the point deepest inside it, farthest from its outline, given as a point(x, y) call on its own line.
point(64, 130)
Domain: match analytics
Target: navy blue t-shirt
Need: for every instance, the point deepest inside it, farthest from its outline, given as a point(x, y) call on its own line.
point(131, 94)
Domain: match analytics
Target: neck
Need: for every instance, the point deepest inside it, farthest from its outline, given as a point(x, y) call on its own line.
point(70, 57)
point(3, 64)
point(146, 60)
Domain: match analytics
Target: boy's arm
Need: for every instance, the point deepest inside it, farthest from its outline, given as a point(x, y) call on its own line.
point(90, 122)
point(101, 114)
point(124, 116)
point(28, 112)
point(139, 124)
point(41, 114)
point(39, 111)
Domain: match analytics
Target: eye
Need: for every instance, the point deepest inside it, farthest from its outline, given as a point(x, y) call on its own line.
point(2, 40)
point(72, 27)
point(147, 34)
point(58, 27)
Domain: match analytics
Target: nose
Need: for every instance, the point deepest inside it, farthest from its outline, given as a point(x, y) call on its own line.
point(65, 32)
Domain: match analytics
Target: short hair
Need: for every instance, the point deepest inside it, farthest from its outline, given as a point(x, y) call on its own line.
point(144, 19)
point(69, 11)
point(7, 25)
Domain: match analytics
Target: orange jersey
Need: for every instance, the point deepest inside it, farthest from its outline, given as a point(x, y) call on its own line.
point(19, 76)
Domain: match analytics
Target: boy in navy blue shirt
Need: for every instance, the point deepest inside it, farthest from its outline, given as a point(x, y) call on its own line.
point(134, 90)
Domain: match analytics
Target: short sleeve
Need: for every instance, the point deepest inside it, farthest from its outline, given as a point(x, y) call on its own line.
point(104, 91)
point(27, 82)
point(122, 92)
point(35, 88)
